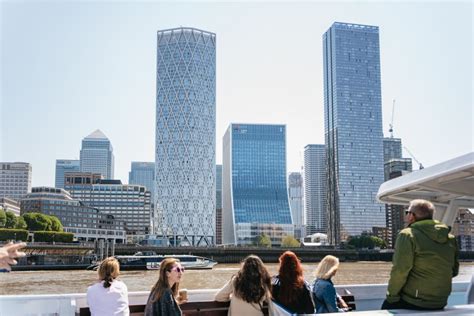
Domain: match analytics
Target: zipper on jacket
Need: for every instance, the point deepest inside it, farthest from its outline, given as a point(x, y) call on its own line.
point(416, 294)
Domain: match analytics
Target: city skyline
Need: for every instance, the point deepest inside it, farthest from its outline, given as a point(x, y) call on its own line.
point(97, 66)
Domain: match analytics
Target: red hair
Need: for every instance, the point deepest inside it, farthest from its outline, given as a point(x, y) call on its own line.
point(291, 277)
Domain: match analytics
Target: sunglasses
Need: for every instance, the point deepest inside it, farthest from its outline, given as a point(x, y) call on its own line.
point(408, 212)
point(178, 269)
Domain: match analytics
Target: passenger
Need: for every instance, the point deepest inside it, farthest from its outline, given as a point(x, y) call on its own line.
point(8, 253)
point(324, 292)
point(109, 296)
point(424, 262)
point(248, 289)
point(163, 299)
point(289, 289)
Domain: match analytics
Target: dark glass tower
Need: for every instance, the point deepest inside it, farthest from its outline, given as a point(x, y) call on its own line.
point(353, 129)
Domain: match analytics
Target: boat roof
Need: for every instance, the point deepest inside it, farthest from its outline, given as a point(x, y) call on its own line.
point(446, 182)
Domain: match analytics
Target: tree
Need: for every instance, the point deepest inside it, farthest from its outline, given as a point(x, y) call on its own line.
point(366, 241)
point(3, 218)
point(11, 219)
point(37, 222)
point(290, 241)
point(263, 241)
point(21, 224)
point(56, 225)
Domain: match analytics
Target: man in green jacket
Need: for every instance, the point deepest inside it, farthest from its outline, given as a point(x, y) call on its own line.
point(424, 262)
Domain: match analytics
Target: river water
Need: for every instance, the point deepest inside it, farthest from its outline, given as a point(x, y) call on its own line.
point(77, 281)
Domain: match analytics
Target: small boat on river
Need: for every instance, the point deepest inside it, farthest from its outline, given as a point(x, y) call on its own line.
point(152, 261)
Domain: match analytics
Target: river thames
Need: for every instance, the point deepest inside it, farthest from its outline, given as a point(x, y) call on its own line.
point(77, 281)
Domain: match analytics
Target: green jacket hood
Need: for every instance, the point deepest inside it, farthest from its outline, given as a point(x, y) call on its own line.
point(433, 229)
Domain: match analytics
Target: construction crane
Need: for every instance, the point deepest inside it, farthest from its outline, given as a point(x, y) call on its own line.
point(420, 166)
point(390, 130)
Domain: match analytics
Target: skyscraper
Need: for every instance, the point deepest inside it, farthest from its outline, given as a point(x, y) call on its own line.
point(97, 155)
point(15, 179)
point(218, 204)
point(143, 173)
point(295, 194)
point(353, 129)
point(315, 177)
point(392, 148)
point(63, 166)
point(254, 189)
point(185, 136)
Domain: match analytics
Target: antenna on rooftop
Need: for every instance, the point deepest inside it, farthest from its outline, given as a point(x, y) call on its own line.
point(390, 130)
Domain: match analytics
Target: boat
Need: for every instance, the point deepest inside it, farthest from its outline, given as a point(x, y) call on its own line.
point(152, 261)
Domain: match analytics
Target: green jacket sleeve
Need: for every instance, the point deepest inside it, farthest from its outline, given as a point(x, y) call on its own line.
point(402, 264)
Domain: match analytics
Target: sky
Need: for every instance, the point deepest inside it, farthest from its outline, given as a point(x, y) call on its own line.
point(71, 67)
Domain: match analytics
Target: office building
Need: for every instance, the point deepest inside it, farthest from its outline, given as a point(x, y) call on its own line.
point(353, 129)
point(218, 204)
point(128, 203)
point(295, 195)
point(63, 166)
point(463, 229)
point(143, 173)
point(97, 155)
point(315, 177)
point(85, 222)
point(392, 148)
point(254, 186)
point(15, 179)
point(186, 136)
point(10, 205)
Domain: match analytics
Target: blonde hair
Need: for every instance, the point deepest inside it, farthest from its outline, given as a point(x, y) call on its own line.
point(109, 270)
point(327, 267)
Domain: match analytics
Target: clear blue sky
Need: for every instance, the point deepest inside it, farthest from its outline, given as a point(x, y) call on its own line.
point(68, 68)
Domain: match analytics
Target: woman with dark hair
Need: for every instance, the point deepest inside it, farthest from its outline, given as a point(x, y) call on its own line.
point(248, 289)
point(109, 296)
point(163, 299)
point(289, 289)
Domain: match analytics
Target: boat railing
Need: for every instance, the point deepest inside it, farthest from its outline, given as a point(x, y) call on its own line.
point(366, 298)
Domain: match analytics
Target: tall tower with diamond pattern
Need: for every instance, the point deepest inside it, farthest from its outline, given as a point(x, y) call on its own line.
point(185, 152)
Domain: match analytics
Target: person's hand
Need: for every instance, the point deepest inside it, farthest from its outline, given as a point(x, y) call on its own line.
point(8, 253)
point(180, 301)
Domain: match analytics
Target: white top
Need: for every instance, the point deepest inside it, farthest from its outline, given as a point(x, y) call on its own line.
point(111, 301)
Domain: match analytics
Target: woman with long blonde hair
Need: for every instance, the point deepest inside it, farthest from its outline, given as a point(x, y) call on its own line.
point(163, 299)
point(324, 292)
point(109, 296)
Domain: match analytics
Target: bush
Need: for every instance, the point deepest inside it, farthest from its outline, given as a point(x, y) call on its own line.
point(3, 218)
point(20, 223)
point(13, 234)
point(47, 236)
point(37, 222)
point(290, 241)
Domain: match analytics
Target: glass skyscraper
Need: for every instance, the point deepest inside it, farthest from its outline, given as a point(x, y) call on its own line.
point(97, 155)
point(392, 148)
point(254, 186)
point(63, 166)
point(186, 136)
point(143, 173)
point(353, 129)
point(315, 177)
point(295, 194)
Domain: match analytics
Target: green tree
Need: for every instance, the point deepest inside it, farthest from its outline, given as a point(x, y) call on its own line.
point(56, 225)
point(11, 219)
point(290, 241)
point(21, 224)
point(37, 222)
point(3, 218)
point(366, 241)
point(263, 241)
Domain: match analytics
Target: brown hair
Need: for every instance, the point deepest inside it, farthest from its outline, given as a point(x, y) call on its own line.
point(253, 282)
point(109, 270)
point(291, 277)
point(162, 284)
point(421, 209)
point(327, 267)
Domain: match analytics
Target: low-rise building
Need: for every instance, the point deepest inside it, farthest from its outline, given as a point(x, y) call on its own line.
point(85, 222)
point(10, 205)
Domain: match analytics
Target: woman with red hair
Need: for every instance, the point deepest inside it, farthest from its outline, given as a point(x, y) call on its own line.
point(289, 289)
